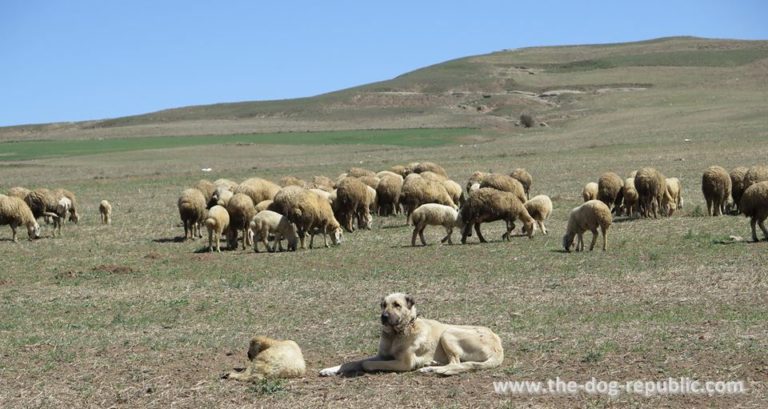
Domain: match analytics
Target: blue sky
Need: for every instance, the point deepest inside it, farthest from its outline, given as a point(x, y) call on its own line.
point(91, 59)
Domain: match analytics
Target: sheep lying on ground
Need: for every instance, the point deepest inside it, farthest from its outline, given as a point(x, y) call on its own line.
point(588, 216)
point(738, 184)
point(539, 207)
point(216, 223)
point(630, 196)
point(488, 205)
point(105, 210)
point(504, 183)
point(673, 197)
point(15, 212)
point(525, 179)
point(651, 187)
point(268, 222)
point(754, 204)
point(271, 358)
point(191, 206)
point(241, 210)
point(433, 214)
point(590, 191)
point(609, 189)
point(716, 186)
point(310, 213)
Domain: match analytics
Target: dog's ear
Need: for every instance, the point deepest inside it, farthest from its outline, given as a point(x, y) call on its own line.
point(409, 299)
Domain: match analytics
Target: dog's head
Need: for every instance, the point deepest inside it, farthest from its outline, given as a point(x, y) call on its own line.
point(398, 310)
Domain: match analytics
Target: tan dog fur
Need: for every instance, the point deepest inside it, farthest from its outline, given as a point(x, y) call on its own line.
point(408, 342)
point(271, 358)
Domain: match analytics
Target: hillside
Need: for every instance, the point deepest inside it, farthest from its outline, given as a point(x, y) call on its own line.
point(487, 91)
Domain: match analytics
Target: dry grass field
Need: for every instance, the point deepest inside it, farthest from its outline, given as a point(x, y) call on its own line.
point(129, 315)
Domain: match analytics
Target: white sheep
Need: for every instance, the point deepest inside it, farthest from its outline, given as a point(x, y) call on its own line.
point(433, 214)
point(63, 207)
point(216, 223)
point(267, 222)
point(588, 216)
point(590, 191)
point(15, 212)
point(105, 210)
point(539, 207)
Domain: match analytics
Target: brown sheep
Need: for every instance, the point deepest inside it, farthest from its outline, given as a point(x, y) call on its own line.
point(352, 201)
point(18, 191)
point(487, 205)
point(525, 179)
point(310, 212)
point(737, 185)
point(41, 201)
point(504, 183)
point(399, 169)
point(631, 198)
point(428, 167)
point(258, 189)
point(716, 186)
point(609, 190)
point(588, 216)
point(475, 179)
point(191, 206)
point(241, 210)
point(417, 191)
point(590, 191)
point(207, 187)
point(754, 204)
point(388, 194)
point(651, 187)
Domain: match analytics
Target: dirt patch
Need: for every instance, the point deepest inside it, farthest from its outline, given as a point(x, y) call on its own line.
point(153, 255)
point(5, 282)
point(112, 269)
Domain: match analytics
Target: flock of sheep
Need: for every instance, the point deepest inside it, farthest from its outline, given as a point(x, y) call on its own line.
point(257, 210)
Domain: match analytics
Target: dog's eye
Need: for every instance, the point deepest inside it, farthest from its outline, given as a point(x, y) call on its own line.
point(396, 305)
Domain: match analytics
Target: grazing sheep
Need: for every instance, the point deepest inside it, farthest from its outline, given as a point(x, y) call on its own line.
point(738, 185)
point(18, 191)
point(629, 193)
point(673, 197)
point(41, 201)
point(216, 223)
point(754, 204)
point(241, 211)
point(323, 183)
point(268, 222)
point(505, 183)
point(62, 209)
point(360, 172)
point(609, 189)
point(263, 205)
point(310, 213)
point(475, 179)
point(207, 187)
point(651, 187)
point(417, 191)
point(433, 214)
point(754, 175)
point(373, 205)
point(225, 184)
point(716, 186)
point(454, 191)
point(105, 210)
point(388, 173)
point(352, 201)
point(427, 167)
point(63, 193)
point(191, 206)
point(399, 169)
point(221, 197)
point(388, 194)
point(590, 191)
point(292, 181)
point(488, 205)
point(15, 212)
point(525, 179)
point(371, 181)
point(587, 216)
point(258, 189)
point(539, 207)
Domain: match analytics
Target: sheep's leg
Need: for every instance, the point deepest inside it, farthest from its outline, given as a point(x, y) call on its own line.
point(311, 240)
point(448, 233)
point(479, 234)
point(325, 239)
point(762, 227)
point(594, 239)
point(301, 238)
point(605, 238)
point(465, 232)
point(13, 229)
point(421, 235)
point(541, 226)
point(210, 241)
point(580, 242)
point(413, 237)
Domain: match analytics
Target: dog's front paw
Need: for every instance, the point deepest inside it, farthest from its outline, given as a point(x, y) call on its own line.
point(427, 369)
point(334, 370)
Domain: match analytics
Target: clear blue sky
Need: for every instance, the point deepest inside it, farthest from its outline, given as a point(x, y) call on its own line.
point(71, 60)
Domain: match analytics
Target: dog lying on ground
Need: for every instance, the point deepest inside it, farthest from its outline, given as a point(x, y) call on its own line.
point(408, 342)
point(271, 358)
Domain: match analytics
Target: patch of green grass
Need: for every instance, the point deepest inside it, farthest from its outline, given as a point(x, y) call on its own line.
point(267, 387)
point(39, 149)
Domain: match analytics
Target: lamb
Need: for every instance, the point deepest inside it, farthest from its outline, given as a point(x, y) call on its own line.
point(373, 205)
point(241, 210)
point(525, 179)
point(416, 191)
point(433, 214)
point(754, 204)
point(62, 209)
point(268, 222)
point(651, 187)
point(62, 193)
point(609, 189)
point(488, 205)
point(505, 183)
point(352, 200)
point(258, 189)
point(539, 207)
point(192, 207)
point(15, 212)
point(590, 191)
point(221, 197)
point(310, 213)
point(388, 194)
point(216, 223)
point(629, 193)
point(716, 186)
point(105, 210)
point(738, 186)
point(673, 197)
point(588, 216)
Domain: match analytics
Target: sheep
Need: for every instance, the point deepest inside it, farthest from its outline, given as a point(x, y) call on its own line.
point(191, 206)
point(292, 181)
point(475, 179)
point(263, 205)
point(737, 186)
point(651, 187)
point(16, 212)
point(267, 222)
point(216, 223)
point(399, 169)
point(310, 213)
point(323, 183)
point(62, 209)
point(388, 173)
point(105, 210)
point(225, 184)
point(539, 207)
point(609, 189)
point(369, 180)
point(221, 197)
point(416, 191)
point(258, 189)
point(18, 191)
point(388, 194)
point(373, 205)
point(590, 191)
point(673, 197)
point(505, 183)
point(433, 214)
point(629, 193)
point(454, 191)
point(207, 187)
point(61, 193)
point(352, 200)
point(41, 201)
point(488, 205)
point(525, 179)
point(587, 216)
point(360, 172)
point(427, 167)
point(716, 186)
point(754, 204)
point(754, 175)
point(241, 211)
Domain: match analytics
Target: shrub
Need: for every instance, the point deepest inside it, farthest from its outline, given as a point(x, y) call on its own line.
point(527, 120)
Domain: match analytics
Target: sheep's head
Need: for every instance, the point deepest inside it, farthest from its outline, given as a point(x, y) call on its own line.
point(568, 241)
point(73, 216)
point(33, 229)
point(337, 236)
point(528, 229)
